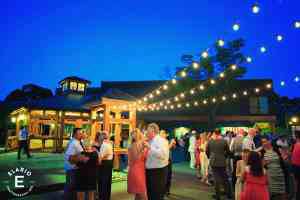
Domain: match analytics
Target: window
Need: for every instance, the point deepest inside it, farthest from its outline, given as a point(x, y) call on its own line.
point(81, 87)
point(259, 105)
point(125, 115)
point(65, 86)
point(73, 85)
point(254, 109)
point(264, 105)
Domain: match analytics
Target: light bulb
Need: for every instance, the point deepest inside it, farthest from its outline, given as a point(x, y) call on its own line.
point(269, 85)
point(282, 83)
point(195, 65)
point(212, 81)
point(201, 87)
point(174, 81)
point(221, 43)
point(151, 96)
point(176, 99)
point(297, 24)
point(257, 90)
point(249, 59)
point(263, 49)
point(196, 103)
point(223, 98)
point(168, 101)
point(279, 38)
point(205, 101)
point(214, 100)
point(236, 27)
point(222, 75)
point(233, 67)
point(187, 105)
point(245, 93)
point(204, 54)
point(297, 79)
point(165, 87)
point(157, 92)
point(182, 95)
point(234, 96)
point(192, 91)
point(183, 74)
point(255, 9)
point(145, 99)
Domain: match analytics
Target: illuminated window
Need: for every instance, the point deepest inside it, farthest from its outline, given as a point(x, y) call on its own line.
point(73, 85)
point(65, 86)
point(81, 87)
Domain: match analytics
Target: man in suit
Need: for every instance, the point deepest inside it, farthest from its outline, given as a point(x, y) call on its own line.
point(217, 151)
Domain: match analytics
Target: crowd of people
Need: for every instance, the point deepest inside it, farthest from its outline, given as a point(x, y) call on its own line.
point(246, 165)
point(89, 167)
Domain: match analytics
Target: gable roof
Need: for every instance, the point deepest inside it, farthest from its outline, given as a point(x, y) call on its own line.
point(75, 78)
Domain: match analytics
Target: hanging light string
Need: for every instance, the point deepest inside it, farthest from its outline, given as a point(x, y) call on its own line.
point(205, 85)
point(183, 74)
point(204, 101)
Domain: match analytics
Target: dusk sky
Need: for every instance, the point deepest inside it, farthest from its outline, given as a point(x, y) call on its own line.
point(42, 42)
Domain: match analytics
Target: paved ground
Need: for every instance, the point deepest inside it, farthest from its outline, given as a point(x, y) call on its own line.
point(49, 170)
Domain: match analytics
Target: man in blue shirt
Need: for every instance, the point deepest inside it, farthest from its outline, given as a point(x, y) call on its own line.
point(23, 142)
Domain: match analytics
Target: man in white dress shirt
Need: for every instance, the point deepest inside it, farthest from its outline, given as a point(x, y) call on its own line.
point(73, 156)
point(105, 168)
point(156, 163)
point(192, 142)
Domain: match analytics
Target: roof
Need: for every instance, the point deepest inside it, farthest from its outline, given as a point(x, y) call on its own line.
point(75, 78)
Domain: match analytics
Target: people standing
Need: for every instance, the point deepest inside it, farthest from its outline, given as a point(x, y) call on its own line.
point(71, 158)
point(156, 163)
point(240, 169)
point(296, 163)
point(197, 156)
point(192, 142)
point(248, 142)
point(204, 159)
point(255, 179)
point(172, 145)
point(275, 172)
point(136, 182)
point(23, 142)
point(105, 169)
point(217, 151)
point(236, 149)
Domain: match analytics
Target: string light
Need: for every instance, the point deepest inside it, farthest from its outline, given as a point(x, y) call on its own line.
point(255, 9)
point(279, 38)
point(182, 95)
point(222, 75)
point(192, 91)
point(176, 99)
point(157, 92)
point(195, 65)
point(212, 81)
point(168, 101)
point(161, 103)
point(297, 24)
point(165, 87)
point(236, 27)
point(221, 43)
point(204, 54)
point(201, 87)
point(249, 59)
point(205, 101)
point(145, 99)
point(151, 96)
point(263, 49)
point(139, 102)
point(282, 83)
point(296, 79)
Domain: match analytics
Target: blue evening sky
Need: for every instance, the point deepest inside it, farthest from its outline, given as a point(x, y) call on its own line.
point(42, 42)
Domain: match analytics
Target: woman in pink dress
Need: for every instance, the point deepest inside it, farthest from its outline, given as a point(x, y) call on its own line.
point(255, 179)
point(136, 182)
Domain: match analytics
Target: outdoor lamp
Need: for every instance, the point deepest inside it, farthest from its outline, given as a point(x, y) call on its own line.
point(294, 119)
